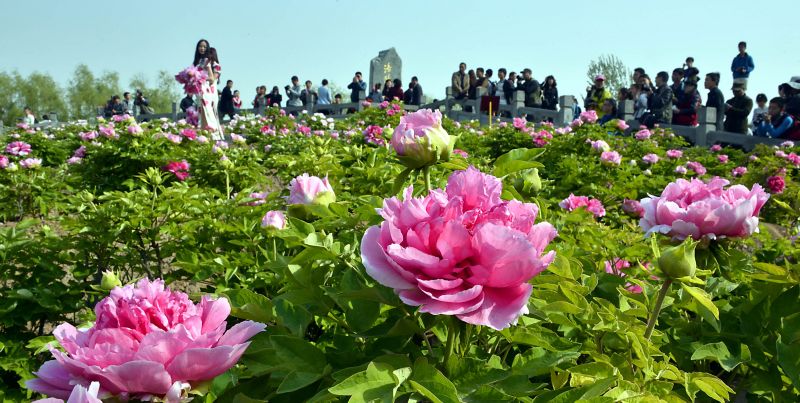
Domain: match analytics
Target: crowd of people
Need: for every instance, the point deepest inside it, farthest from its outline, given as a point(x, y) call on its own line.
point(134, 106)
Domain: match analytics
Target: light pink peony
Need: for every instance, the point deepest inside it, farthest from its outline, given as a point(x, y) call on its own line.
point(463, 251)
point(573, 203)
point(519, 123)
point(147, 341)
point(88, 136)
point(3, 162)
point(739, 171)
point(622, 125)
point(722, 158)
point(19, 148)
point(30, 163)
point(599, 145)
point(643, 134)
point(611, 158)
point(79, 394)
point(306, 189)
point(680, 169)
point(794, 159)
point(703, 210)
point(715, 148)
point(674, 153)
point(274, 219)
point(135, 129)
point(787, 144)
point(650, 158)
point(588, 116)
point(697, 167)
point(753, 158)
point(192, 79)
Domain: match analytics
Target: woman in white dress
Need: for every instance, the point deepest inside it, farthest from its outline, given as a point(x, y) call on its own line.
point(206, 58)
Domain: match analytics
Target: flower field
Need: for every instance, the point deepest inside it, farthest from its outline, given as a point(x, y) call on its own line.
point(395, 257)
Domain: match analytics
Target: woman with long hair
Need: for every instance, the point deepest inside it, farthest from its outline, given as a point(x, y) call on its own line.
point(206, 58)
point(550, 93)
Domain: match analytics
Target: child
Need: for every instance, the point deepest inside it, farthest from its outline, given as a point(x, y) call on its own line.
point(777, 123)
point(237, 102)
point(760, 112)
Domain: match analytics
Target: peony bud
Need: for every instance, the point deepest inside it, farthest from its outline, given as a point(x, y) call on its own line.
point(679, 261)
point(306, 189)
point(274, 219)
point(528, 182)
point(109, 281)
point(420, 140)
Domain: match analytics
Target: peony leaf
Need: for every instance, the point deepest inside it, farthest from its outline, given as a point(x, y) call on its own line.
point(789, 360)
point(429, 382)
point(719, 352)
point(702, 298)
point(377, 382)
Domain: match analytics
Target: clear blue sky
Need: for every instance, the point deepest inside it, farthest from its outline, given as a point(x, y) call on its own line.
point(269, 41)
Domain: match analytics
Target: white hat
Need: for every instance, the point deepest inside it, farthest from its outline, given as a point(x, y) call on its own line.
point(794, 82)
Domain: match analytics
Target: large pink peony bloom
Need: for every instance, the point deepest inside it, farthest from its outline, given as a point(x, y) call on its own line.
point(178, 168)
point(610, 158)
point(79, 394)
point(274, 219)
point(306, 189)
point(462, 251)
point(147, 341)
point(192, 79)
point(20, 148)
point(698, 209)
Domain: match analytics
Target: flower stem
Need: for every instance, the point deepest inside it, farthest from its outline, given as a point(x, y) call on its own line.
point(451, 338)
point(651, 323)
point(427, 172)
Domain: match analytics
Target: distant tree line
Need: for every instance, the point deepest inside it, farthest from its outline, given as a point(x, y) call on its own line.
point(80, 99)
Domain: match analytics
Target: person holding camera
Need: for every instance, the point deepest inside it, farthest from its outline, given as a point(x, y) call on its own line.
point(660, 102)
point(356, 87)
point(737, 109)
point(274, 97)
point(293, 93)
point(206, 58)
point(597, 94)
point(142, 104)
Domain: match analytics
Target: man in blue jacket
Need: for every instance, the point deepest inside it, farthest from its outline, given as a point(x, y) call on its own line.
point(742, 64)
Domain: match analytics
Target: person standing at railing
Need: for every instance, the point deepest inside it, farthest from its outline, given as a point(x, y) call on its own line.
point(128, 104)
point(397, 90)
point(356, 87)
point(659, 103)
point(500, 86)
point(142, 105)
point(226, 101)
point(737, 109)
point(459, 83)
point(293, 93)
point(777, 123)
point(416, 92)
point(375, 95)
point(684, 112)
point(639, 101)
point(206, 58)
point(274, 98)
point(550, 93)
point(308, 96)
point(715, 98)
point(742, 65)
point(237, 102)
point(261, 101)
point(324, 94)
point(597, 94)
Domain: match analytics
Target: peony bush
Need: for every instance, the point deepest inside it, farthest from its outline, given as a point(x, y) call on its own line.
point(355, 273)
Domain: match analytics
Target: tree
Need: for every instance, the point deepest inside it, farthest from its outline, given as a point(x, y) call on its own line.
point(42, 94)
point(88, 93)
point(611, 66)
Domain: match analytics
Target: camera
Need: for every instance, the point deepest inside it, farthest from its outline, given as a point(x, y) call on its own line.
point(286, 87)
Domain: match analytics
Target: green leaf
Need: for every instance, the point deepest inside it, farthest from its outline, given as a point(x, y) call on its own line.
point(246, 304)
point(375, 383)
point(470, 373)
point(708, 384)
point(305, 362)
point(789, 361)
point(702, 298)
point(517, 160)
point(429, 382)
point(400, 181)
point(538, 361)
point(587, 374)
point(719, 353)
point(295, 317)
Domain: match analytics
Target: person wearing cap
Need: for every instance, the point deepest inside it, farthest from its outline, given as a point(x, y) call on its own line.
point(531, 88)
point(792, 92)
point(597, 95)
point(737, 110)
point(742, 65)
point(685, 110)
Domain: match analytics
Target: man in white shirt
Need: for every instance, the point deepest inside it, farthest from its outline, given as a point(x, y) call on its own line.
point(28, 119)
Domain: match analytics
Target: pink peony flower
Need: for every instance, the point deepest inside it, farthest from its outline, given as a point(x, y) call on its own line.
point(715, 148)
point(576, 123)
point(703, 210)
point(178, 168)
point(74, 160)
point(633, 208)
point(573, 203)
point(3, 162)
point(599, 145)
point(190, 134)
point(174, 138)
point(697, 167)
point(88, 136)
point(794, 159)
point(192, 116)
point(753, 158)
point(420, 140)
point(79, 394)
point(588, 116)
point(373, 134)
point(622, 125)
point(260, 197)
point(650, 158)
point(722, 158)
point(564, 130)
point(643, 134)
point(776, 184)
point(616, 268)
point(463, 251)
point(461, 153)
point(611, 158)
point(192, 79)
point(274, 219)
point(146, 341)
point(306, 189)
point(674, 153)
point(780, 154)
point(237, 138)
point(520, 123)
point(30, 163)
point(135, 129)
point(19, 148)
point(787, 144)
point(739, 171)
point(680, 169)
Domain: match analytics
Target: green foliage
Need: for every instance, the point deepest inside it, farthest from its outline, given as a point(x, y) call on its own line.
point(333, 333)
point(617, 74)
